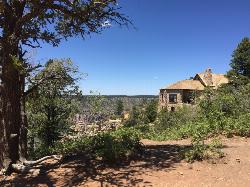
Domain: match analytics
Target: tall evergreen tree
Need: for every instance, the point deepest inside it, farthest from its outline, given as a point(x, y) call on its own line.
point(28, 23)
point(151, 111)
point(119, 107)
point(240, 62)
point(54, 102)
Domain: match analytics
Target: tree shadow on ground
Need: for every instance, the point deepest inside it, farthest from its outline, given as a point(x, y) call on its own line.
point(78, 170)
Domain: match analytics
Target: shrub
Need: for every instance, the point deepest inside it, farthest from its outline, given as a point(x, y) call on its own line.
point(151, 112)
point(118, 145)
point(182, 116)
point(196, 152)
point(79, 146)
point(200, 151)
point(40, 151)
point(242, 125)
point(135, 118)
point(110, 146)
point(216, 144)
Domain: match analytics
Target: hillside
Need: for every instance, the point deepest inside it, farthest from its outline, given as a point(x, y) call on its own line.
point(108, 102)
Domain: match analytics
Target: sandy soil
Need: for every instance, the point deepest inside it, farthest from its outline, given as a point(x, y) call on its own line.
point(160, 166)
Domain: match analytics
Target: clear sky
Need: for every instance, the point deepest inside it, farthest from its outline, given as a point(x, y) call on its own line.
point(174, 40)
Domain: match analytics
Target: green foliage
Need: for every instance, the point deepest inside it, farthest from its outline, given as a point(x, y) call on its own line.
point(135, 117)
point(52, 103)
point(119, 107)
point(223, 111)
point(78, 146)
point(111, 147)
point(151, 111)
point(239, 126)
point(18, 64)
point(225, 102)
point(95, 102)
point(200, 151)
point(116, 146)
point(240, 62)
point(216, 143)
point(40, 151)
point(196, 152)
point(50, 21)
point(168, 119)
point(236, 79)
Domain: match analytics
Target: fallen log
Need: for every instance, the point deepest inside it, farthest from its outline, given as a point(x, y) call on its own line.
point(26, 165)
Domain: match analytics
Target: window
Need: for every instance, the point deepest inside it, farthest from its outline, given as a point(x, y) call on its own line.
point(173, 98)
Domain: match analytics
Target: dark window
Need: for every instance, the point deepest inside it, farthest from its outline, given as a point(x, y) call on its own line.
point(173, 98)
point(188, 97)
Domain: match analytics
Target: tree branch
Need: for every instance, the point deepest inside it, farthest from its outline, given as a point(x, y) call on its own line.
point(39, 83)
point(32, 163)
point(26, 166)
point(35, 86)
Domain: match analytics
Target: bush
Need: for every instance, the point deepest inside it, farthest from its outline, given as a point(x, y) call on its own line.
point(79, 146)
point(242, 125)
point(135, 118)
point(196, 152)
point(200, 151)
point(182, 116)
point(150, 112)
point(40, 152)
point(110, 146)
point(116, 146)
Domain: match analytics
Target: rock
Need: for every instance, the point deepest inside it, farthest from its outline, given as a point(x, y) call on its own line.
point(237, 159)
point(35, 172)
point(180, 172)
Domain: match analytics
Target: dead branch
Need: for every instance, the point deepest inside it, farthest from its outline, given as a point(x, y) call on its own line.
point(32, 163)
point(26, 166)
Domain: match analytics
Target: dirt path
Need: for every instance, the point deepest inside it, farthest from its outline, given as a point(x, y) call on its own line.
point(160, 166)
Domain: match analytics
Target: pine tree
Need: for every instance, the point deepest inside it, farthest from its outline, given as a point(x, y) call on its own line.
point(119, 107)
point(151, 111)
point(240, 62)
point(25, 24)
point(53, 102)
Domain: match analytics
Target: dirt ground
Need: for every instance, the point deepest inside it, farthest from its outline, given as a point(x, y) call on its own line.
point(159, 166)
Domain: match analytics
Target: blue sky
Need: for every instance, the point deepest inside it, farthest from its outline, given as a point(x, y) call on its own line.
point(174, 40)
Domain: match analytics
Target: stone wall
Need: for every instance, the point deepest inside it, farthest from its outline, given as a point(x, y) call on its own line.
point(181, 98)
point(164, 98)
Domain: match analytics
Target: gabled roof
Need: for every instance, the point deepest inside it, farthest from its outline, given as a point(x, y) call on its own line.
point(200, 81)
point(186, 85)
point(217, 79)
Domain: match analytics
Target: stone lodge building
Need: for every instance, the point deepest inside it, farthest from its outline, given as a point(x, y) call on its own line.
point(186, 91)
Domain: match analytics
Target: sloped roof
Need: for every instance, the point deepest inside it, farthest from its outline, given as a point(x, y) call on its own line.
point(217, 79)
point(186, 85)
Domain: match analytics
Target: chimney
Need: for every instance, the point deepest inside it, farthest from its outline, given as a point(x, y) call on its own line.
point(208, 77)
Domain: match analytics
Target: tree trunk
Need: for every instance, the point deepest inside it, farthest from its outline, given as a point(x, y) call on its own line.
point(13, 123)
point(12, 115)
point(24, 123)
